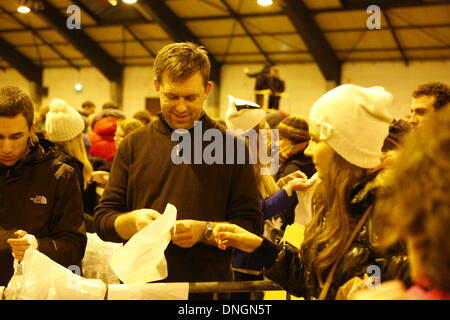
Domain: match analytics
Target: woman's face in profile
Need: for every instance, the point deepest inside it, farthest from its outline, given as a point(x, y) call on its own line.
point(320, 152)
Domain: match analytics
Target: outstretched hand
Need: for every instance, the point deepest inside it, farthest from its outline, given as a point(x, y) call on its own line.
point(231, 235)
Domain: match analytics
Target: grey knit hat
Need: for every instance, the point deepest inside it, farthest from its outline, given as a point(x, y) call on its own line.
point(63, 123)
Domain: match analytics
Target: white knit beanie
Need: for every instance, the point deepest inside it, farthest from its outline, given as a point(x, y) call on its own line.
point(242, 114)
point(354, 121)
point(63, 123)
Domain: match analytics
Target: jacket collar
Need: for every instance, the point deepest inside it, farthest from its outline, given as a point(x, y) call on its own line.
point(167, 129)
point(364, 192)
point(38, 150)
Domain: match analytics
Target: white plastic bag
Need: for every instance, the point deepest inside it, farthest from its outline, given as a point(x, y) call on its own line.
point(96, 259)
point(15, 284)
point(142, 258)
point(45, 279)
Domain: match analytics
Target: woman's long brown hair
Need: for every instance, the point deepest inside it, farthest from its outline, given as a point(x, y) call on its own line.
point(325, 241)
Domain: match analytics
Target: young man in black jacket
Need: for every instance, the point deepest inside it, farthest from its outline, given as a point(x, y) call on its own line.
point(39, 195)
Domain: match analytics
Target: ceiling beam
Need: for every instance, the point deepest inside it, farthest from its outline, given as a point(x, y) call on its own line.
point(395, 36)
point(175, 28)
point(140, 41)
point(88, 10)
point(107, 65)
point(21, 63)
point(36, 34)
point(385, 4)
point(314, 39)
point(236, 17)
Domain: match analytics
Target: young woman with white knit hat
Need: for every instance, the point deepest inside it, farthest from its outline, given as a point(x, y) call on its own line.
point(348, 126)
point(64, 127)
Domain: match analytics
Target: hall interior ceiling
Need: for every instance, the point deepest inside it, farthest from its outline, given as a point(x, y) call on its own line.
point(328, 32)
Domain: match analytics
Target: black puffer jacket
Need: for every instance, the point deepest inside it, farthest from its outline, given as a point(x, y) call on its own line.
point(40, 195)
point(295, 273)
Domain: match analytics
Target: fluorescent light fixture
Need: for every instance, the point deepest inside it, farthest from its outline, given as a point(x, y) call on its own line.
point(23, 9)
point(265, 2)
point(129, 1)
point(78, 87)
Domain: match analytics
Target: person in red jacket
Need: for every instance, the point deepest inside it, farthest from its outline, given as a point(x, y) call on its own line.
point(101, 136)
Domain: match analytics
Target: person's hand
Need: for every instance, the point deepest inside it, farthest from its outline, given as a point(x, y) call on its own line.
point(231, 235)
point(294, 175)
point(130, 223)
point(390, 290)
point(188, 232)
point(300, 184)
point(21, 243)
point(100, 176)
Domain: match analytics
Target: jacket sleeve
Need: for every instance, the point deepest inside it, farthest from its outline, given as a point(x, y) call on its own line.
point(283, 265)
point(244, 204)
point(114, 198)
point(67, 239)
point(276, 203)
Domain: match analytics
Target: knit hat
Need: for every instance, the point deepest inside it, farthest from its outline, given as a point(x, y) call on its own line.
point(242, 114)
point(354, 121)
point(294, 128)
point(63, 123)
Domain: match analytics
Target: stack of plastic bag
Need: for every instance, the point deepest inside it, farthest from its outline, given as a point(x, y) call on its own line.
point(96, 259)
point(44, 279)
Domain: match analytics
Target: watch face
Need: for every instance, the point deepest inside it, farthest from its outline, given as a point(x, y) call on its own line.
point(208, 231)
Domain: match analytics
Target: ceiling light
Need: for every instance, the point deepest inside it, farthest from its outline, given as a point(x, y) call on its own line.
point(129, 1)
point(78, 87)
point(23, 9)
point(265, 2)
point(113, 2)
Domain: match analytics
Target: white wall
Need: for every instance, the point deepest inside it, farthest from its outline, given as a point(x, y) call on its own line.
point(61, 82)
point(304, 84)
point(138, 84)
point(397, 78)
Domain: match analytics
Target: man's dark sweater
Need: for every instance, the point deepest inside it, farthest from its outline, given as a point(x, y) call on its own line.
point(144, 176)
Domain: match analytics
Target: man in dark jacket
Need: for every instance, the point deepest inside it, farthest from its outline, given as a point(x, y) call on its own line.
point(144, 175)
point(39, 195)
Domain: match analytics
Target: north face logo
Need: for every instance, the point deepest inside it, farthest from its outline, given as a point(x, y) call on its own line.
point(39, 200)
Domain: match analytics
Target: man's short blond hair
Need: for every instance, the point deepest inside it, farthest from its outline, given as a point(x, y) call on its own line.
point(181, 60)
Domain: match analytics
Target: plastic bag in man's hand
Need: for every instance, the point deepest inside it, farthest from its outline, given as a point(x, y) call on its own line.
point(142, 258)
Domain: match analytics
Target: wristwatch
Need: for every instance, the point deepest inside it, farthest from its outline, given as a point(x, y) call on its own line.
point(208, 231)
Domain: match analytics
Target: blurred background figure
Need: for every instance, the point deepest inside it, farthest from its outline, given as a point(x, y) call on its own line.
point(103, 128)
point(294, 139)
point(417, 212)
point(39, 124)
point(143, 116)
point(427, 99)
point(262, 83)
point(88, 108)
point(110, 105)
point(125, 127)
point(276, 88)
point(64, 126)
point(273, 118)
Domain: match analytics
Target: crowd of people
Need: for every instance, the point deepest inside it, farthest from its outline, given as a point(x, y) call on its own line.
point(371, 191)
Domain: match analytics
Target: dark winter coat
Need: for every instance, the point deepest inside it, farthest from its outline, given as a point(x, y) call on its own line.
point(285, 266)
